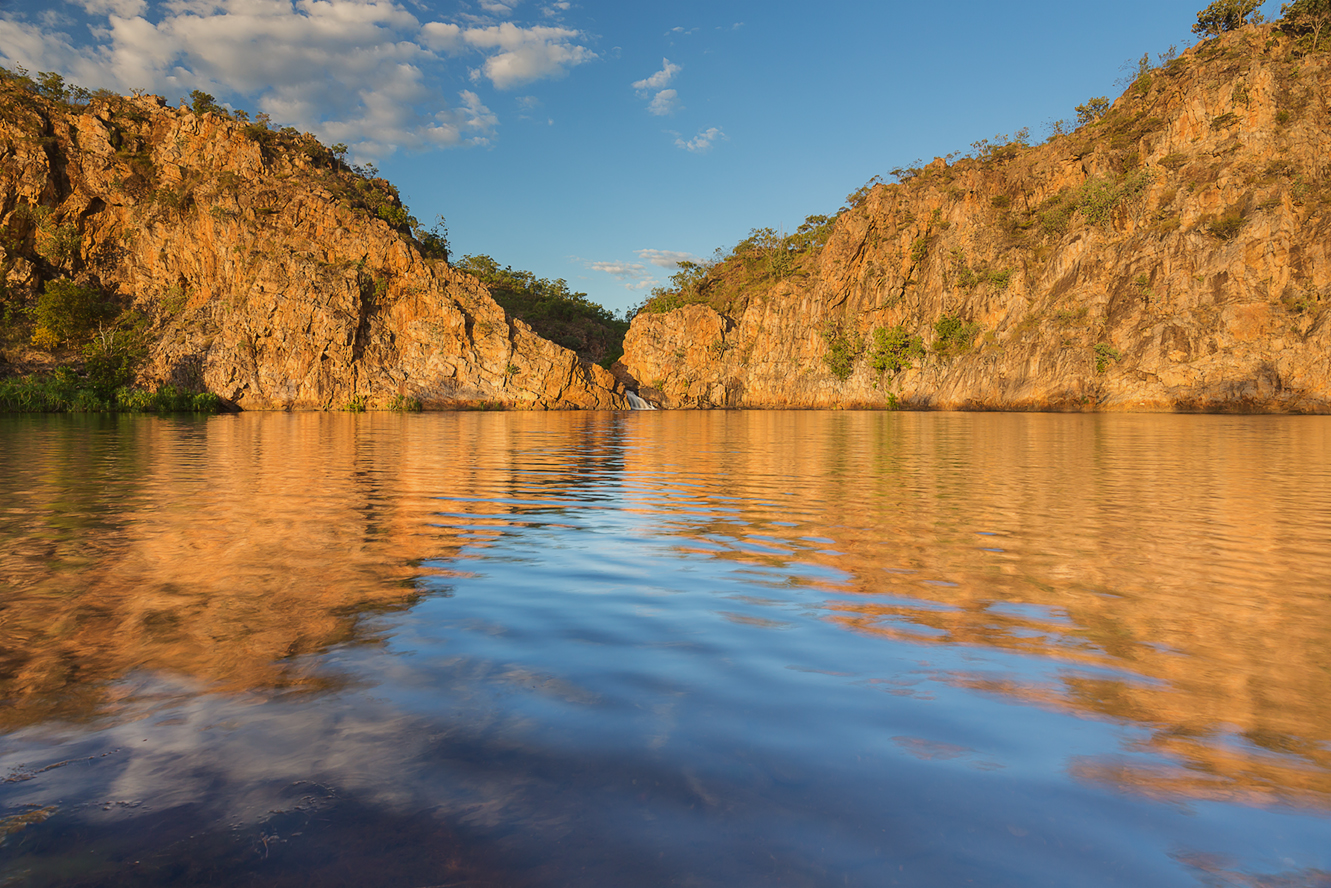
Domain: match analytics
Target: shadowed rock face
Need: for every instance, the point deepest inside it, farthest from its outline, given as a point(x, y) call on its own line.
point(1174, 255)
point(264, 282)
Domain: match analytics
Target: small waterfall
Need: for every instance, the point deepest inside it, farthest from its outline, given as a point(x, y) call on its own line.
point(637, 403)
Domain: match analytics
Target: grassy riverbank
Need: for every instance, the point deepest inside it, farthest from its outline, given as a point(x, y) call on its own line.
point(64, 391)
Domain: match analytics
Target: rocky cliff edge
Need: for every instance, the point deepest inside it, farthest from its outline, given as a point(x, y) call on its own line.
point(1174, 254)
point(262, 274)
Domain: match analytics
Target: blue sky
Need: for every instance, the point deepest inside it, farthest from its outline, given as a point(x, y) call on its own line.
point(599, 141)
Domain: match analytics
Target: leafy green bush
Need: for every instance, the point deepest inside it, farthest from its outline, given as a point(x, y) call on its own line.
point(1226, 226)
point(53, 393)
point(206, 402)
point(64, 391)
point(67, 313)
point(166, 399)
point(1104, 354)
point(132, 400)
point(1098, 198)
point(1055, 212)
point(57, 244)
point(405, 404)
point(968, 277)
point(953, 336)
point(1092, 110)
point(395, 215)
point(843, 349)
point(893, 348)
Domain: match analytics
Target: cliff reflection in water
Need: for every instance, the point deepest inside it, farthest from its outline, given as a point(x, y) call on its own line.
point(218, 551)
point(1189, 555)
point(1174, 569)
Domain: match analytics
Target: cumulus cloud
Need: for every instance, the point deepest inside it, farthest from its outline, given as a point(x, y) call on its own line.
point(666, 258)
point(354, 71)
point(701, 143)
point(625, 271)
point(660, 79)
point(526, 54)
point(663, 103)
point(442, 36)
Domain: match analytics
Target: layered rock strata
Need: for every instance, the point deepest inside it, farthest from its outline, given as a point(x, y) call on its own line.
point(1173, 255)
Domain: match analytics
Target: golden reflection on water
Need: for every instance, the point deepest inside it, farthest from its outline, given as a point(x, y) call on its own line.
point(217, 551)
point(1173, 570)
point(1190, 552)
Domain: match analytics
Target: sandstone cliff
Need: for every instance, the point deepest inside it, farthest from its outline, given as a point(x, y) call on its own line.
point(1174, 254)
point(263, 275)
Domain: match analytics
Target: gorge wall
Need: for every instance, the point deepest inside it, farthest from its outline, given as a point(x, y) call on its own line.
point(1174, 254)
point(260, 262)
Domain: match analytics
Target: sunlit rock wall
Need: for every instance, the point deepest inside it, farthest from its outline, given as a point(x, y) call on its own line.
point(1204, 285)
point(262, 285)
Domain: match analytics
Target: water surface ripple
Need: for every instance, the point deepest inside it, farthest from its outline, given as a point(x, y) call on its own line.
point(665, 648)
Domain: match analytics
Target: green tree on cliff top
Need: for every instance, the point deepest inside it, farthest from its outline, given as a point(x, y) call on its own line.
point(1226, 15)
point(1310, 17)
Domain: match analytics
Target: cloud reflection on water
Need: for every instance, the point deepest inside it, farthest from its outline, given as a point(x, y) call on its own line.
point(243, 594)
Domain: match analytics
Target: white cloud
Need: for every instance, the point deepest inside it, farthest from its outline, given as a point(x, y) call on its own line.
point(625, 271)
point(666, 258)
point(52, 19)
point(354, 71)
point(442, 36)
point(633, 275)
point(526, 54)
point(701, 143)
point(665, 102)
point(499, 7)
point(660, 78)
point(122, 8)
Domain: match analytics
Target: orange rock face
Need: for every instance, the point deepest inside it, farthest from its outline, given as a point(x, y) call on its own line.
point(263, 285)
point(1173, 255)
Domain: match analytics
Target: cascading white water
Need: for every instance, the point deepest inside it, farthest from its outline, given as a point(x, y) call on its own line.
point(638, 403)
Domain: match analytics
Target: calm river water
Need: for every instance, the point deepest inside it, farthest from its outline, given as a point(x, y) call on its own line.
point(667, 648)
